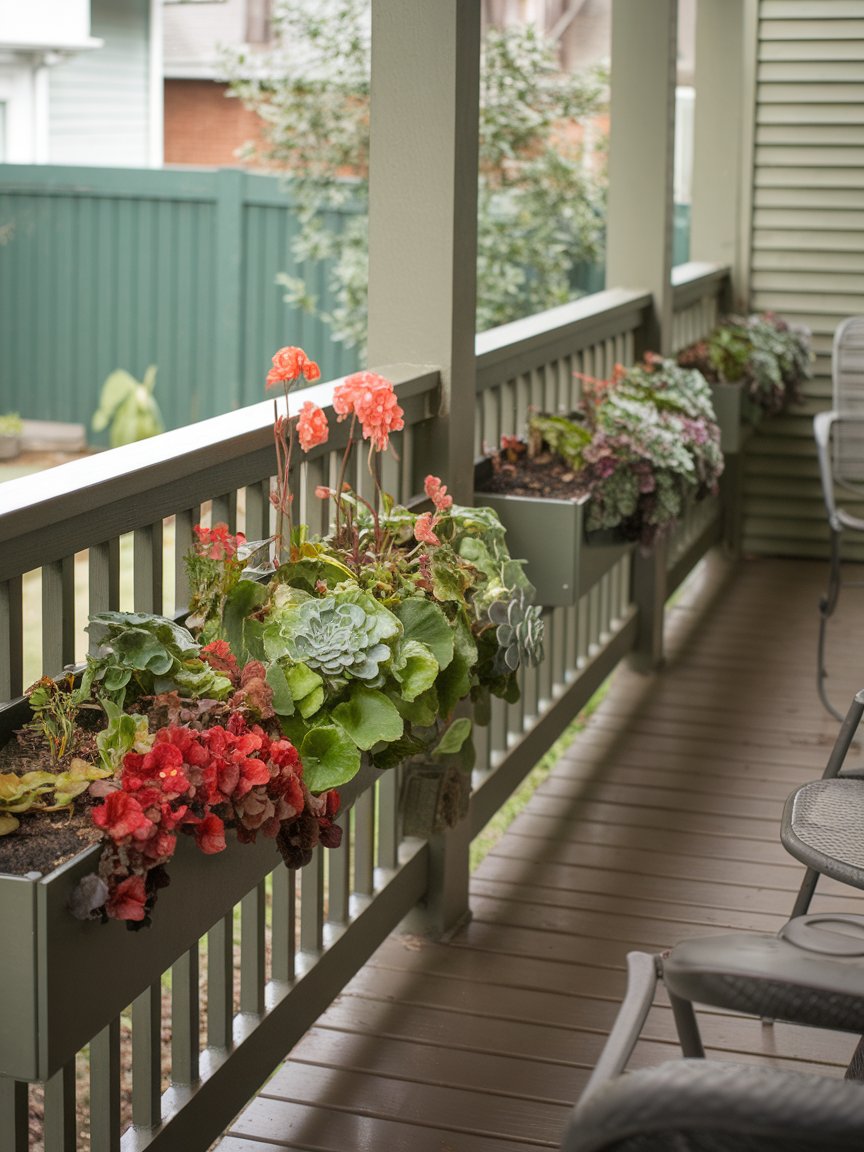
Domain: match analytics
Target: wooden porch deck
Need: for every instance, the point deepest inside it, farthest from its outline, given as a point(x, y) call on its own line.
point(660, 822)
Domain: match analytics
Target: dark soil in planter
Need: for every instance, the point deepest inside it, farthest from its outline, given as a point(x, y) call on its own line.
point(43, 840)
point(544, 475)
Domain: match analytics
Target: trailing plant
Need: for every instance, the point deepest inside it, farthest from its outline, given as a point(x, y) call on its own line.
point(540, 199)
point(772, 357)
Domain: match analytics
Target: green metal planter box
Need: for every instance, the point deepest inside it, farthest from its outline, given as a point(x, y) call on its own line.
point(62, 980)
point(727, 400)
point(562, 562)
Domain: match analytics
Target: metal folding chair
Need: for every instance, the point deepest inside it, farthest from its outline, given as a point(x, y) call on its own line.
point(698, 1105)
point(823, 821)
point(839, 437)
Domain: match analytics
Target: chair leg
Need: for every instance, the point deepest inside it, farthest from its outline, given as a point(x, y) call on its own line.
point(826, 608)
point(805, 893)
point(687, 1028)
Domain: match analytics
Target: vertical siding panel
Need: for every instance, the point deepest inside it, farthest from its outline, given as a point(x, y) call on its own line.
point(807, 160)
point(118, 269)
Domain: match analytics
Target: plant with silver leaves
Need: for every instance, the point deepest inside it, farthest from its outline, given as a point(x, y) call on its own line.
point(519, 630)
point(340, 637)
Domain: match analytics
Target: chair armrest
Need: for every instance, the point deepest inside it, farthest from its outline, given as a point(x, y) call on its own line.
point(641, 984)
point(822, 423)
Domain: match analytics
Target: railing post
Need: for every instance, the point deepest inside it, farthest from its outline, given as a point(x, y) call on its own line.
point(423, 231)
point(649, 596)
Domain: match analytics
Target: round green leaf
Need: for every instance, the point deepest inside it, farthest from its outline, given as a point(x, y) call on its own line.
point(425, 622)
point(330, 758)
point(415, 668)
point(369, 718)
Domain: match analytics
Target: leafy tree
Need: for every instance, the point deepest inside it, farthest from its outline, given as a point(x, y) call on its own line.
point(540, 207)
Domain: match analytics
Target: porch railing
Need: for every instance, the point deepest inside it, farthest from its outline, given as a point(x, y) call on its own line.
point(96, 530)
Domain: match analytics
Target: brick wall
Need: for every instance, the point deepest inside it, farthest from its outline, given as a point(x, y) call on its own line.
point(203, 126)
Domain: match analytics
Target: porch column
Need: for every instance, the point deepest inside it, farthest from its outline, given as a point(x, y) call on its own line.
point(639, 222)
point(422, 270)
point(723, 137)
point(639, 217)
point(423, 213)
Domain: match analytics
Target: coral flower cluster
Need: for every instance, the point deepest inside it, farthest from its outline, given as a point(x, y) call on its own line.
point(371, 399)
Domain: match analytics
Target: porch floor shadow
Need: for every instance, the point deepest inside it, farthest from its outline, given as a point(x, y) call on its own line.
point(660, 822)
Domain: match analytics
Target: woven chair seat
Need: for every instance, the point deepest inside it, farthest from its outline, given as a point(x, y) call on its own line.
point(823, 827)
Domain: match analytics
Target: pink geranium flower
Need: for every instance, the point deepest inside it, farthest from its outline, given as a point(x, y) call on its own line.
point(290, 364)
point(437, 493)
point(371, 399)
point(423, 529)
point(312, 426)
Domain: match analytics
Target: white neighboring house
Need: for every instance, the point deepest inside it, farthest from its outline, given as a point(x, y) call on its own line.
point(81, 82)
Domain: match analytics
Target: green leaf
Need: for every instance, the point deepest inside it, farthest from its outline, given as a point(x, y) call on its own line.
point(310, 703)
point(330, 757)
point(302, 680)
point(454, 737)
point(453, 685)
point(241, 602)
point(447, 581)
point(415, 668)
point(283, 698)
point(421, 712)
point(369, 717)
point(425, 622)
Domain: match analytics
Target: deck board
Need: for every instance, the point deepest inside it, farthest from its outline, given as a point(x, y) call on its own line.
point(660, 822)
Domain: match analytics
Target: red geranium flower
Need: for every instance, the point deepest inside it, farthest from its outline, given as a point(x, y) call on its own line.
point(126, 901)
point(121, 816)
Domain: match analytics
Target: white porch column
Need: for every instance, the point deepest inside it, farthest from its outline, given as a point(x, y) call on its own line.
point(723, 137)
point(641, 156)
point(423, 211)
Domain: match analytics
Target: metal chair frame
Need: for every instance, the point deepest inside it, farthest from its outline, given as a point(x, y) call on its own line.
point(839, 435)
point(696, 1105)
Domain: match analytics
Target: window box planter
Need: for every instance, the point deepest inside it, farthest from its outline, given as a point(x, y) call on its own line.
point(563, 561)
point(62, 980)
point(727, 399)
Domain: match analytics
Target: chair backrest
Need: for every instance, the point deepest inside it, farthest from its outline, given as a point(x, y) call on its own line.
point(847, 381)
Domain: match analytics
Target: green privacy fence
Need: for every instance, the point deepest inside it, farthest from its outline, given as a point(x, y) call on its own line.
point(121, 268)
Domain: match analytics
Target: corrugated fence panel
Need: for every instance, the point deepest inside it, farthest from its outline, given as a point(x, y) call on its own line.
point(118, 268)
point(807, 241)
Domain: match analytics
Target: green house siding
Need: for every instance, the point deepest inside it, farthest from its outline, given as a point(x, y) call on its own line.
point(807, 239)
